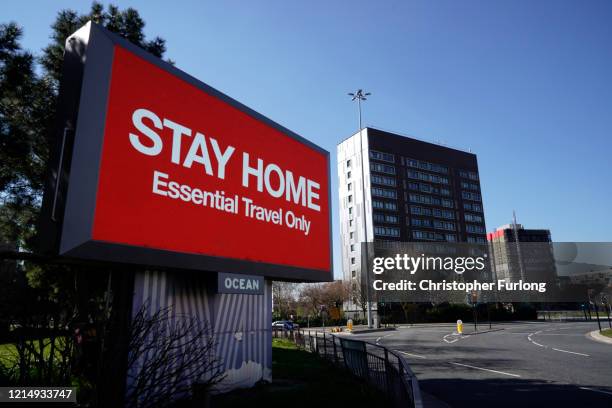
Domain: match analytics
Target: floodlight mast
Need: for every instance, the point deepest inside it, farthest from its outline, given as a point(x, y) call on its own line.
point(359, 96)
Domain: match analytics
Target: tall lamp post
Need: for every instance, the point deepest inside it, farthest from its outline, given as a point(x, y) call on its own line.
point(359, 96)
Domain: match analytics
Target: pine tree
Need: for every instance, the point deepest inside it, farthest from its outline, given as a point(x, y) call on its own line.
point(28, 97)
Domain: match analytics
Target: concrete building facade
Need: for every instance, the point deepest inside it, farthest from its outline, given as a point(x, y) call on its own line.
point(524, 254)
point(397, 188)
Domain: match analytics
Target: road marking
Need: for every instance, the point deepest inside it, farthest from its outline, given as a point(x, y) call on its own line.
point(595, 390)
point(382, 337)
point(413, 355)
point(450, 341)
point(546, 334)
point(535, 342)
point(571, 352)
point(485, 369)
point(549, 334)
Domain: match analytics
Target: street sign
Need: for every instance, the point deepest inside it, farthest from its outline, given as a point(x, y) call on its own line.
point(236, 283)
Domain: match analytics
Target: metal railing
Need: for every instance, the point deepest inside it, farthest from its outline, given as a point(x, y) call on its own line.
point(384, 369)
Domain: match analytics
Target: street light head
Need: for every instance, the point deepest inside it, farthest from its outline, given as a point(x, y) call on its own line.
point(359, 95)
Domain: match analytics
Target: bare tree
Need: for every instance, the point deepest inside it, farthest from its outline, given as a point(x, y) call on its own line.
point(169, 356)
point(284, 298)
point(328, 295)
point(359, 297)
point(311, 298)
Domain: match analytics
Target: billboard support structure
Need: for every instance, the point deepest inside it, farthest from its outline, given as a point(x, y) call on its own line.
point(115, 196)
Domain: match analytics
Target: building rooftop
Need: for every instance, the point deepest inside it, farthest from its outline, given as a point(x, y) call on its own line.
point(433, 142)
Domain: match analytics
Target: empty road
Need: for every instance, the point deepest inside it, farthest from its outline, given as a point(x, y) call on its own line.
point(523, 364)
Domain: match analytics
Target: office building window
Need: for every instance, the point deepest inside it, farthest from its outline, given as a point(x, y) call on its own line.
point(352, 247)
point(384, 180)
point(350, 223)
point(350, 198)
point(418, 164)
point(473, 217)
point(351, 235)
point(350, 186)
point(384, 205)
point(477, 229)
point(468, 174)
point(353, 260)
point(382, 168)
point(472, 207)
point(444, 225)
point(427, 235)
point(469, 186)
point(386, 218)
point(348, 164)
point(419, 222)
point(447, 203)
point(467, 195)
point(388, 157)
point(451, 237)
point(432, 178)
point(383, 192)
point(423, 199)
point(348, 175)
point(387, 231)
point(428, 188)
point(449, 215)
point(476, 240)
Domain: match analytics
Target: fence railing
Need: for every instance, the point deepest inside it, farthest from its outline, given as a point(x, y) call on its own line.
point(385, 369)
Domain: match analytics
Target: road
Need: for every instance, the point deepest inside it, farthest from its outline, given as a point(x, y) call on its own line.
point(523, 364)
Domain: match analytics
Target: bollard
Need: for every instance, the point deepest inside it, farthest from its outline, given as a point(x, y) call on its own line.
point(459, 327)
point(349, 325)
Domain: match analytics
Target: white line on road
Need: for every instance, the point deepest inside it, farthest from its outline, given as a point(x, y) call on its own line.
point(546, 334)
point(539, 333)
point(593, 389)
point(412, 355)
point(450, 341)
point(485, 369)
point(382, 337)
point(571, 352)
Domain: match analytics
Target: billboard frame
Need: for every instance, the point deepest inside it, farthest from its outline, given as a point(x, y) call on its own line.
point(70, 192)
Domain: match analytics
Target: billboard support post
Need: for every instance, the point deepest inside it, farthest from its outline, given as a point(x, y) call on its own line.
point(113, 371)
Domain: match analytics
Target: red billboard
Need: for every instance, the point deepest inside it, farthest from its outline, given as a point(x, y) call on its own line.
point(167, 171)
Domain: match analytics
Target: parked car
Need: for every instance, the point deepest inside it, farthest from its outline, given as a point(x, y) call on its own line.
point(285, 325)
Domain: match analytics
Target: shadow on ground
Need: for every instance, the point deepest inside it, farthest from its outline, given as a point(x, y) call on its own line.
point(301, 379)
point(517, 393)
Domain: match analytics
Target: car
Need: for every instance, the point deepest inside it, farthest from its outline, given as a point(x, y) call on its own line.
point(285, 325)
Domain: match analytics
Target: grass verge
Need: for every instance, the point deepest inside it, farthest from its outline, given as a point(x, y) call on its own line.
point(301, 379)
point(607, 333)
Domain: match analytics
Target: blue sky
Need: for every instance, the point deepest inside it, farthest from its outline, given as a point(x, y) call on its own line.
point(526, 85)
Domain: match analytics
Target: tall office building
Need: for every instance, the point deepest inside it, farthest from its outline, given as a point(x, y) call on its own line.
point(395, 188)
point(532, 259)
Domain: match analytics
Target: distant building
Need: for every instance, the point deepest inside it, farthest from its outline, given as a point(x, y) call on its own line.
point(533, 260)
point(601, 277)
point(414, 191)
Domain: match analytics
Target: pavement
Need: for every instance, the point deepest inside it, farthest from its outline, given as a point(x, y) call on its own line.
point(597, 336)
point(357, 329)
point(519, 364)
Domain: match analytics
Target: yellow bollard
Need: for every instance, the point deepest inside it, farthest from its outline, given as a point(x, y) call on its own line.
point(349, 325)
point(459, 327)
